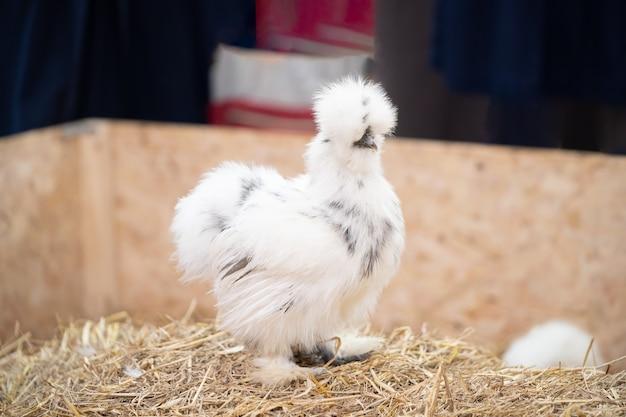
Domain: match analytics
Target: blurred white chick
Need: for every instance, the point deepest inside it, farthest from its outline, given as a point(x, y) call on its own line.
point(552, 344)
point(296, 262)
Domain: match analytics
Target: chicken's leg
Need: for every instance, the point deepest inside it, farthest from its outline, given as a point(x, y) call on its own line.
point(352, 348)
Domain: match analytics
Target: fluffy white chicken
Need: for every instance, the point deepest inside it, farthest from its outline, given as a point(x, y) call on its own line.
point(552, 344)
point(297, 262)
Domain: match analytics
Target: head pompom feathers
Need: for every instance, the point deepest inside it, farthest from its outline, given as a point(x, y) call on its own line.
point(345, 108)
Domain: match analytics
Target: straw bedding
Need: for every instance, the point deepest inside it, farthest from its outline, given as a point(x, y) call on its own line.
point(114, 367)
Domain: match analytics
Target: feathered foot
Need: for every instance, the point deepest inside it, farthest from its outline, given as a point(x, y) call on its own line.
point(279, 370)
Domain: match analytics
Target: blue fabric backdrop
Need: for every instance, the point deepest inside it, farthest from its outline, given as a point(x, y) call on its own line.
point(525, 49)
point(142, 59)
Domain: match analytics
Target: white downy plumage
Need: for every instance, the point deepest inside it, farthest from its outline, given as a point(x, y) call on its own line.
point(297, 262)
point(552, 344)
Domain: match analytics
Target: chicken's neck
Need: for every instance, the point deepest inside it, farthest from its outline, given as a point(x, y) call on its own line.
point(331, 181)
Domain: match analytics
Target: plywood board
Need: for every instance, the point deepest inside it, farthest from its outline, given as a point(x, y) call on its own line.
point(498, 239)
point(40, 254)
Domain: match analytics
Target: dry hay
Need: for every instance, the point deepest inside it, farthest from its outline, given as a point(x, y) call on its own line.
point(114, 367)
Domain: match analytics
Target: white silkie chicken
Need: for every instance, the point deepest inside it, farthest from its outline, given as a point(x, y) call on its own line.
point(297, 262)
point(553, 344)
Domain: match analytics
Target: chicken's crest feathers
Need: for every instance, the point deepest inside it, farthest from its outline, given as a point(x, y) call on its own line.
point(353, 116)
point(345, 108)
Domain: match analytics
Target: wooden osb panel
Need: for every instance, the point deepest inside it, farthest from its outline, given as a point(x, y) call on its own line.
point(498, 239)
point(99, 277)
point(40, 258)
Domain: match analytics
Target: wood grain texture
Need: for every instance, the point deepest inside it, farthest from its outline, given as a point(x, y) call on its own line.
point(100, 289)
point(498, 239)
point(40, 252)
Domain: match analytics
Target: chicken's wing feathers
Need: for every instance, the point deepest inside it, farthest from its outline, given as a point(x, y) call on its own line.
point(208, 210)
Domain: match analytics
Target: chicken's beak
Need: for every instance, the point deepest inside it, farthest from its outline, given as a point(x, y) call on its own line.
point(366, 141)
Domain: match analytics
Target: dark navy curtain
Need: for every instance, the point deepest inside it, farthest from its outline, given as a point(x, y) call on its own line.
point(142, 59)
point(554, 70)
point(525, 49)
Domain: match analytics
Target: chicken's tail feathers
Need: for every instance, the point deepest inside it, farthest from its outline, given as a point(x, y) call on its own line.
point(344, 107)
point(207, 212)
point(191, 259)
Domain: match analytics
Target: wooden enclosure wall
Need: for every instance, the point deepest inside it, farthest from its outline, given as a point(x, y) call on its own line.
point(498, 239)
